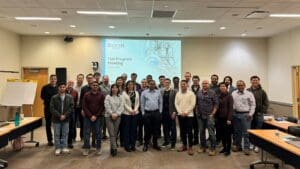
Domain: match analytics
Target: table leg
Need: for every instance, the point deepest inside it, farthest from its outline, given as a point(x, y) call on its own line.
point(32, 141)
point(263, 161)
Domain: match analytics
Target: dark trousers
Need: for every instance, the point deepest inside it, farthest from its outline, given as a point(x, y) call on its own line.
point(225, 132)
point(218, 131)
point(129, 130)
point(104, 129)
point(80, 119)
point(72, 128)
point(169, 128)
point(195, 130)
point(152, 126)
point(140, 124)
point(48, 119)
point(186, 133)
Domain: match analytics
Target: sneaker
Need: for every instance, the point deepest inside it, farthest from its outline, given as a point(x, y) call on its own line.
point(98, 152)
point(256, 149)
point(212, 152)
point(236, 149)
point(247, 152)
point(190, 151)
point(86, 152)
point(57, 152)
point(182, 149)
point(201, 150)
point(165, 144)
point(172, 147)
point(65, 151)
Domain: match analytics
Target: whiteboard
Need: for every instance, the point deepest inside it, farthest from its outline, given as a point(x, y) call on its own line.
point(19, 93)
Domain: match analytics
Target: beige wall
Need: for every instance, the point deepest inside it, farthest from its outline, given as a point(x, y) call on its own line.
point(9, 56)
point(284, 52)
point(237, 57)
point(203, 56)
point(52, 52)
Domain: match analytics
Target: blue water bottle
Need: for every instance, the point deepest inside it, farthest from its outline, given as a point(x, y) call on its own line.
point(17, 119)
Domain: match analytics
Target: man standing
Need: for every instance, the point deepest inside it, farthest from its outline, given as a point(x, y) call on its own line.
point(72, 123)
point(78, 116)
point(137, 86)
point(47, 92)
point(140, 122)
point(161, 79)
point(244, 108)
point(97, 77)
point(185, 102)
point(105, 89)
point(61, 107)
point(176, 83)
point(151, 106)
point(214, 83)
point(169, 114)
point(93, 108)
point(195, 89)
point(188, 78)
point(262, 104)
point(207, 105)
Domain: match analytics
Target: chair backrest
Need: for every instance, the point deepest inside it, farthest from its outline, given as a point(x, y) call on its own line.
point(294, 130)
point(292, 119)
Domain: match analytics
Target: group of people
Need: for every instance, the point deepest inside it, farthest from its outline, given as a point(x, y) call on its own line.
point(133, 113)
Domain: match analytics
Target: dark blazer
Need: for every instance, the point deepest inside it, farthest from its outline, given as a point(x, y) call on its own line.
point(56, 107)
point(172, 107)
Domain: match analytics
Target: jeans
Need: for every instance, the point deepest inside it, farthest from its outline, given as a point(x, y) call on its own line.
point(241, 125)
point(92, 126)
point(61, 131)
point(152, 126)
point(129, 130)
point(113, 128)
point(209, 124)
point(169, 128)
point(257, 122)
point(186, 130)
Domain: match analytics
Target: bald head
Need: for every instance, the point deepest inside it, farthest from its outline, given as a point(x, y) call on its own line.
point(205, 84)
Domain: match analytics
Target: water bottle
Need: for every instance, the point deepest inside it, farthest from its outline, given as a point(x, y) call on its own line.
point(17, 119)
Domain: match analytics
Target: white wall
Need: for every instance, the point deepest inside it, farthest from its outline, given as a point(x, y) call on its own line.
point(52, 52)
point(239, 58)
point(9, 56)
point(284, 52)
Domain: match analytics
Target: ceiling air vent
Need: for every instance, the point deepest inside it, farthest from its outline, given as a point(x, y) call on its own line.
point(257, 15)
point(163, 14)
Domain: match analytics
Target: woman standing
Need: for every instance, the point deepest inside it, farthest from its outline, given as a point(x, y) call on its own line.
point(114, 107)
point(224, 116)
point(129, 118)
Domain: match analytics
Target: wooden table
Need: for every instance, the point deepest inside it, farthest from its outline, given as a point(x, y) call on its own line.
point(280, 125)
point(11, 132)
point(272, 142)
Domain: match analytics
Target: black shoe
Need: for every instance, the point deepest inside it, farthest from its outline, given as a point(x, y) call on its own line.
point(227, 153)
point(145, 148)
point(222, 151)
point(93, 144)
point(156, 147)
point(196, 142)
point(104, 137)
point(140, 143)
point(133, 149)
point(165, 144)
point(128, 149)
point(70, 146)
point(50, 143)
point(114, 152)
point(173, 147)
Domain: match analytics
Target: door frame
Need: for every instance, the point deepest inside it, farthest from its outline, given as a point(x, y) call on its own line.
point(295, 88)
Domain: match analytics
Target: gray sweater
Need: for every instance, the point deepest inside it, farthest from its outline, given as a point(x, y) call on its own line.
point(113, 105)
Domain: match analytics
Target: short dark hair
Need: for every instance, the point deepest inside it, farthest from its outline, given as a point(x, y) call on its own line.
point(151, 81)
point(114, 85)
point(89, 75)
point(80, 74)
point(222, 83)
point(52, 75)
point(133, 74)
point(95, 82)
point(167, 79)
point(97, 74)
point(175, 77)
point(161, 76)
point(196, 77)
point(215, 76)
point(254, 77)
point(183, 81)
point(61, 83)
point(149, 76)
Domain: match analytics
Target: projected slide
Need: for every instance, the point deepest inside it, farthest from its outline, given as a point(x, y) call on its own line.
point(155, 57)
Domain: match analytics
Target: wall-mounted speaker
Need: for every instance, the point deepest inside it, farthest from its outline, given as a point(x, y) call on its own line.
point(61, 74)
point(68, 39)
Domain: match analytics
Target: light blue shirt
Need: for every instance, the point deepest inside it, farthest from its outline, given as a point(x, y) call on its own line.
point(151, 100)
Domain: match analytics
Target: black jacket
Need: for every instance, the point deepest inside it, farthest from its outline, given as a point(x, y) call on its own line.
point(47, 92)
point(261, 99)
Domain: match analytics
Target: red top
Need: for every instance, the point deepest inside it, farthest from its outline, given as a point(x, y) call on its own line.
point(93, 104)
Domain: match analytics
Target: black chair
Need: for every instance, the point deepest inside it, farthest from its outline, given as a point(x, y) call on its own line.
point(292, 119)
point(294, 130)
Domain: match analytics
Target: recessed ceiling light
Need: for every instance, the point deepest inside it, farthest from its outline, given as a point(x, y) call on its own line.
point(37, 18)
point(47, 32)
point(112, 27)
point(222, 27)
point(102, 13)
point(192, 21)
point(285, 15)
point(72, 26)
point(243, 34)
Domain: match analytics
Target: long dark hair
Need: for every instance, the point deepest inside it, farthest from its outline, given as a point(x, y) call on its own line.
point(123, 83)
point(127, 84)
point(114, 85)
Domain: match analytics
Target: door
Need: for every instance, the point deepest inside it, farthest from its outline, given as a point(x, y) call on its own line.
point(41, 76)
point(296, 91)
